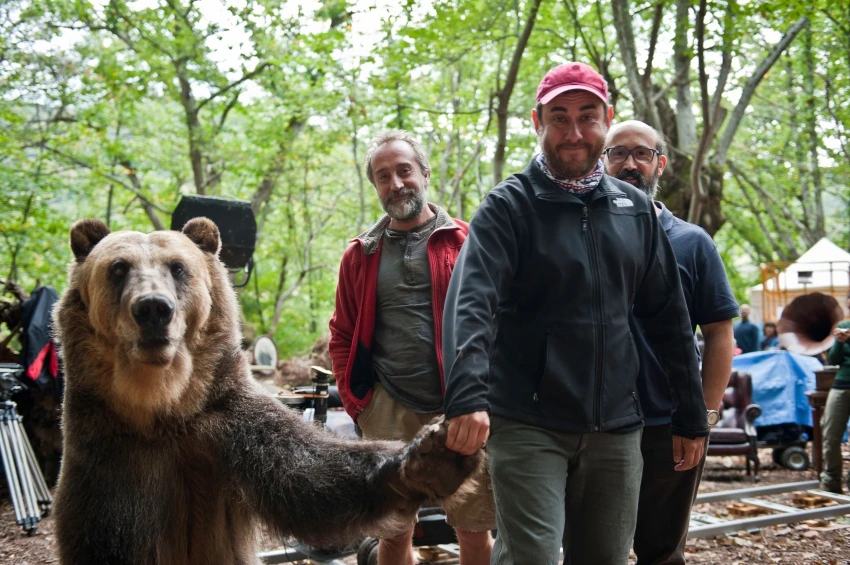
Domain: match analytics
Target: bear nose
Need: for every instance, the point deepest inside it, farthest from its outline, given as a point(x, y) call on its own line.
point(153, 310)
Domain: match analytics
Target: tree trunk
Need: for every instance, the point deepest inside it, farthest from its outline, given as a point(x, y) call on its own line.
point(193, 126)
point(644, 108)
point(815, 205)
point(686, 123)
point(504, 95)
point(676, 182)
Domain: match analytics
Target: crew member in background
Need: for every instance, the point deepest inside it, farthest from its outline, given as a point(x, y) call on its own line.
point(747, 334)
point(837, 411)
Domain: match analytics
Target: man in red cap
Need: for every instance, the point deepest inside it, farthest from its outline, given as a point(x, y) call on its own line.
point(539, 358)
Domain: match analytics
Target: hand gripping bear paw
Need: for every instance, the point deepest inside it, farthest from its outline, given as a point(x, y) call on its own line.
point(432, 469)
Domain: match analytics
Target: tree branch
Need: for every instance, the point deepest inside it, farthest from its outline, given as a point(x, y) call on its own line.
point(766, 197)
point(644, 109)
point(653, 41)
point(839, 125)
point(247, 76)
point(149, 207)
point(759, 216)
point(505, 92)
point(698, 194)
point(227, 109)
point(726, 61)
point(686, 126)
point(743, 229)
point(731, 128)
point(435, 111)
point(267, 185)
point(591, 48)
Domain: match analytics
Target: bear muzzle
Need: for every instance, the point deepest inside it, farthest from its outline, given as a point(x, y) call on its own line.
point(153, 312)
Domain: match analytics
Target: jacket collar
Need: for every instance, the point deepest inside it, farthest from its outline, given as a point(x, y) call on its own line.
point(371, 238)
point(666, 217)
point(544, 189)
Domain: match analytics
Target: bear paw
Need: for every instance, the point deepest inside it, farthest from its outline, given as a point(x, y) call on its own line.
point(430, 468)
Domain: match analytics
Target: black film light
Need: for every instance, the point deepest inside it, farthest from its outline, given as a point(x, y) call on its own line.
point(235, 221)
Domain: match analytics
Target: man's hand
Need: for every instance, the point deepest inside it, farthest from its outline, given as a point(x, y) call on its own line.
point(686, 452)
point(468, 433)
point(842, 335)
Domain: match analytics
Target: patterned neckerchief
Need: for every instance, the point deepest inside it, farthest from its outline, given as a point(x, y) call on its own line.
point(578, 187)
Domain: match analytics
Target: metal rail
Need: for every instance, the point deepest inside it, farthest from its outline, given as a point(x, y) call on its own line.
point(293, 555)
point(756, 491)
point(746, 524)
point(706, 526)
point(702, 525)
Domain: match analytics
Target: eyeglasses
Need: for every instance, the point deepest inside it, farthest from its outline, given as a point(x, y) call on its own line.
point(618, 154)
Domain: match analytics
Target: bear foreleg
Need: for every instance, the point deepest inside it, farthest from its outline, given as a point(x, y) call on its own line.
point(309, 484)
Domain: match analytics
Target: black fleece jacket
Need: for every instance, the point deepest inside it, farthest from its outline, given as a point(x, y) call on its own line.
point(536, 322)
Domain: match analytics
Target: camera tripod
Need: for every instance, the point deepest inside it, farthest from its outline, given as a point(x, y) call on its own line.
point(27, 488)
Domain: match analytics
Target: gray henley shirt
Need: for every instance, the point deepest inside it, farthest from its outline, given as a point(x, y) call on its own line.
point(404, 355)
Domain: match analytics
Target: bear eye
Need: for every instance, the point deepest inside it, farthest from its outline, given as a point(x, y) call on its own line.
point(177, 269)
point(118, 270)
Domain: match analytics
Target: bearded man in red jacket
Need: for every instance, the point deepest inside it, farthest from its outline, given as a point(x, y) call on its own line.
point(386, 330)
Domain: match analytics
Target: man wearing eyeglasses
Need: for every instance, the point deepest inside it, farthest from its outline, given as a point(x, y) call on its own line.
point(634, 153)
point(536, 336)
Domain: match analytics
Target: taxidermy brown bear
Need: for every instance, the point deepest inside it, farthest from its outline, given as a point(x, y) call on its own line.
point(172, 454)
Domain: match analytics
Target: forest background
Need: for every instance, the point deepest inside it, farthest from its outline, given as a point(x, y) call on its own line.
point(114, 109)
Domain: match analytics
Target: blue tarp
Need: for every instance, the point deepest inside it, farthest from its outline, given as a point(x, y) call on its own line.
point(780, 380)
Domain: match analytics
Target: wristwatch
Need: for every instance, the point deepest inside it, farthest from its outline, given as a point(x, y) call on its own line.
point(713, 417)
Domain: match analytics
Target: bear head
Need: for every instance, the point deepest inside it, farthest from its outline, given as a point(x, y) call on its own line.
point(147, 317)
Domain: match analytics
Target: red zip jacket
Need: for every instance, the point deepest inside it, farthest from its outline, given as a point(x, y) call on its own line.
point(353, 322)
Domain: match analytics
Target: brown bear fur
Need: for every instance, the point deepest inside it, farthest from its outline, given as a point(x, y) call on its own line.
point(172, 454)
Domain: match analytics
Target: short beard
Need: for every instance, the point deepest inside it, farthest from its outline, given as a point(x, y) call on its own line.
point(649, 186)
point(407, 209)
point(571, 170)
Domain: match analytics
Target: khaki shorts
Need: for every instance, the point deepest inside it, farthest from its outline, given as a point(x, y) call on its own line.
point(385, 418)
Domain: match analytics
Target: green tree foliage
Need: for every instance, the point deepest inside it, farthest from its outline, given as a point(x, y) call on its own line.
point(115, 109)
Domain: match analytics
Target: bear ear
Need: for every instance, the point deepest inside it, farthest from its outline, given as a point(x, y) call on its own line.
point(203, 233)
point(85, 234)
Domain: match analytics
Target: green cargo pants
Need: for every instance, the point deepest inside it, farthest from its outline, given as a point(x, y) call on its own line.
point(554, 488)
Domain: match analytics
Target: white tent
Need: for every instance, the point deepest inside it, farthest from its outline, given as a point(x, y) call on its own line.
point(825, 268)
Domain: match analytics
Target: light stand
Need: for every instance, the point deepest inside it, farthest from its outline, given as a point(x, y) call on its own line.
point(27, 488)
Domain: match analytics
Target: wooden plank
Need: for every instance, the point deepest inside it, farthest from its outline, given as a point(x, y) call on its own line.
point(810, 500)
point(831, 495)
point(744, 510)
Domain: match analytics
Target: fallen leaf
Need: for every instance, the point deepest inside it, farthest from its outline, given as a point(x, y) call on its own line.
point(817, 523)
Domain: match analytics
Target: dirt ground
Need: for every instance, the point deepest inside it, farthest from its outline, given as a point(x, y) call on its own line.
point(821, 542)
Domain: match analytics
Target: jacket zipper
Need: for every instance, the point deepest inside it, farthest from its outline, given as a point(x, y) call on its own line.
point(597, 325)
point(536, 396)
point(637, 405)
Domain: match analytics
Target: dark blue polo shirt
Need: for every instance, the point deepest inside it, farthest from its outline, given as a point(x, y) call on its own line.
point(708, 296)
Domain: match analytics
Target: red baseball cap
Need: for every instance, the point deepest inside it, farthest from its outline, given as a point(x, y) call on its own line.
point(571, 76)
